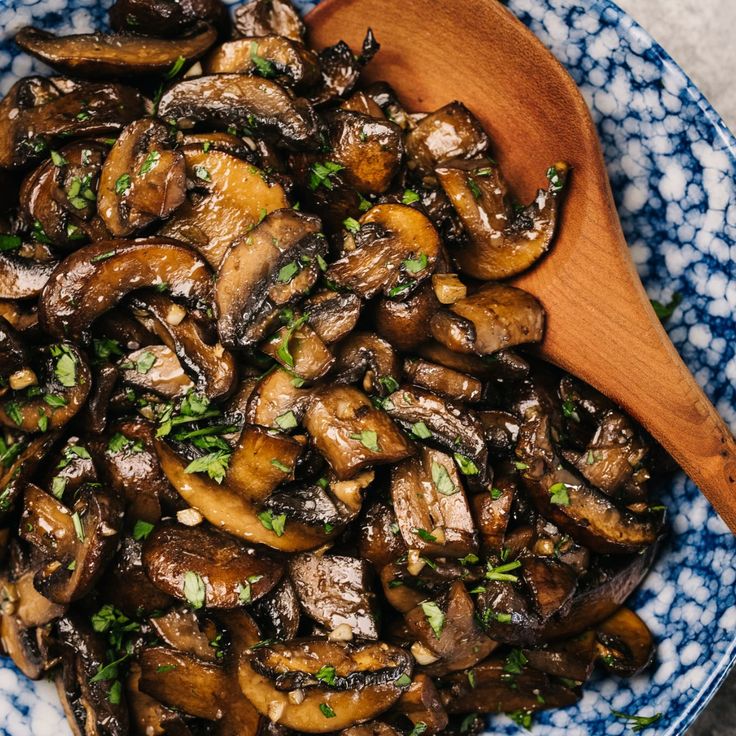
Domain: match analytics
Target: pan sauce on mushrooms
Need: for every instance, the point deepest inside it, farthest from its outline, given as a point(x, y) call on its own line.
point(274, 459)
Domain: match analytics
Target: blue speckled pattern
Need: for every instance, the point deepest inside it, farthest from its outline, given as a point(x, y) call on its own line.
point(673, 167)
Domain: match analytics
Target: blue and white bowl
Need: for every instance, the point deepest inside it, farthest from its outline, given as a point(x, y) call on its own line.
point(672, 163)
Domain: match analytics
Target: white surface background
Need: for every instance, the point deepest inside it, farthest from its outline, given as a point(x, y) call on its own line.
point(698, 34)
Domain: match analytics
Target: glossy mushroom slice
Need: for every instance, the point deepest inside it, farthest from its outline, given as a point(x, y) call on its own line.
point(265, 271)
point(229, 511)
point(142, 180)
point(277, 401)
point(332, 314)
point(14, 356)
point(572, 658)
point(273, 57)
point(211, 366)
point(335, 591)
point(104, 55)
point(166, 18)
point(444, 381)
point(29, 123)
point(365, 357)
point(147, 715)
point(60, 195)
point(155, 368)
point(277, 613)
point(624, 644)
point(502, 241)
point(394, 251)
point(228, 199)
point(50, 400)
point(361, 684)
point(431, 506)
point(267, 17)
point(207, 568)
point(372, 728)
point(351, 433)
point(254, 103)
point(95, 278)
point(23, 278)
point(494, 317)
point(405, 323)
point(422, 704)
point(88, 700)
point(298, 348)
point(448, 133)
point(78, 544)
point(379, 537)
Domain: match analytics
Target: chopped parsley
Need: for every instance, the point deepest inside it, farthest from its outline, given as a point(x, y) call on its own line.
point(368, 438)
point(523, 718)
point(215, 464)
point(58, 486)
point(415, 265)
point(287, 420)
point(193, 589)
point(665, 311)
point(442, 481)
point(78, 528)
point(150, 162)
point(424, 534)
point(122, 184)
point(502, 573)
point(326, 674)
point(287, 272)
point(280, 466)
point(264, 68)
point(177, 66)
point(12, 409)
point(496, 493)
point(351, 225)
point(403, 680)
point(409, 197)
point(202, 173)
point(65, 369)
point(559, 494)
point(435, 617)
point(419, 728)
point(283, 352)
point(120, 443)
point(113, 622)
point(141, 530)
point(57, 159)
point(327, 712)
point(145, 361)
point(320, 175)
point(245, 590)
point(466, 465)
point(274, 523)
point(637, 723)
point(10, 242)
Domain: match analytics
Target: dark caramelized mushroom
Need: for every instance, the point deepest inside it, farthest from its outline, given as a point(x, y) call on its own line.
point(101, 55)
point(277, 613)
point(250, 102)
point(366, 357)
point(160, 371)
point(624, 644)
point(207, 568)
point(444, 381)
point(166, 18)
point(332, 314)
point(405, 324)
point(147, 715)
point(380, 538)
point(94, 278)
point(334, 590)
point(266, 17)
point(277, 400)
point(22, 278)
point(297, 347)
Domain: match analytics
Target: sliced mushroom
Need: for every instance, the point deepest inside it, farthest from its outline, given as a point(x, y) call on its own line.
point(266, 17)
point(246, 102)
point(444, 381)
point(273, 57)
point(363, 356)
point(332, 314)
point(334, 590)
point(104, 382)
point(147, 715)
point(261, 461)
point(551, 584)
point(277, 613)
point(142, 180)
point(30, 607)
point(363, 103)
point(502, 241)
point(431, 507)
point(155, 368)
point(396, 249)
point(379, 536)
point(572, 658)
point(212, 367)
point(207, 568)
point(364, 680)
point(448, 133)
point(230, 512)
point(624, 644)
point(14, 356)
point(405, 324)
point(351, 433)
point(230, 197)
point(299, 348)
point(422, 704)
point(492, 513)
point(78, 544)
point(264, 272)
point(181, 629)
point(22, 278)
point(493, 318)
point(276, 401)
point(18, 643)
point(30, 122)
point(102, 55)
point(94, 278)
point(166, 18)
point(372, 728)
point(501, 430)
point(65, 385)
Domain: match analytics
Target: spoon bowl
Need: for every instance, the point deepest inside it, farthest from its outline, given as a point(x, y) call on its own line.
point(600, 323)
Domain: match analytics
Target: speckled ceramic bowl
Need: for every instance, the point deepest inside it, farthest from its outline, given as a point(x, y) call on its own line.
point(673, 167)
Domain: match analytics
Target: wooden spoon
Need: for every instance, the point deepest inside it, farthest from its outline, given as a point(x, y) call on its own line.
point(601, 326)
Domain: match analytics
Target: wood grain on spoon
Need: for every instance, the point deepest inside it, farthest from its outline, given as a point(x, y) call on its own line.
point(601, 326)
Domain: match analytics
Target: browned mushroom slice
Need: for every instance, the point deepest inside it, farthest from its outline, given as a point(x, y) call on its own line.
point(87, 698)
point(230, 512)
point(585, 513)
point(30, 607)
point(551, 584)
point(431, 507)
point(363, 103)
point(246, 102)
point(218, 141)
point(372, 728)
point(142, 179)
point(444, 381)
point(94, 278)
point(70, 573)
point(335, 590)
point(332, 314)
point(30, 123)
point(492, 512)
point(261, 461)
point(502, 241)
point(493, 691)
point(463, 362)
point(147, 715)
point(501, 430)
point(299, 349)
point(351, 433)
point(14, 356)
point(60, 195)
point(276, 401)
point(380, 540)
point(396, 250)
point(264, 272)
point(266, 17)
point(493, 318)
point(207, 568)
point(440, 422)
point(273, 57)
point(104, 55)
point(572, 658)
point(65, 384)
point(624, 644)
point(155, 368)
point(18, 643)
point(277, 613)
point(365, 357)
point(23, 317)
point(212, 367)
point(165, 18)
point(181, 629)
point(450, 132)
point(362, 682)
point(22, 278)
point(369, 150)
point(405, 324)
point(422, 704)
